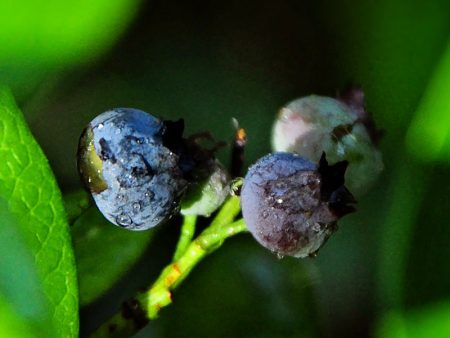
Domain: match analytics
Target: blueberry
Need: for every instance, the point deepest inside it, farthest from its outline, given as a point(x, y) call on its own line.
point(291, 205)
point(342, 129)
point(124, 160)
point(207, 192)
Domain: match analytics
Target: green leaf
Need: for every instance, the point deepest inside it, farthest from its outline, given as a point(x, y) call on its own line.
point(11, 324)
point(22, 302)
point(431, 321)
point(98, 243)
point(52, 34)
point(428, 136)
point(33, 197)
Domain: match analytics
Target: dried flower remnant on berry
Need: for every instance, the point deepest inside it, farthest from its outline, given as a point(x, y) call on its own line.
point(291, 205)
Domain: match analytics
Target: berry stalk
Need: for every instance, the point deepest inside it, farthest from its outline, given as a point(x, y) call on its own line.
point(187, 233)
point(145, 306)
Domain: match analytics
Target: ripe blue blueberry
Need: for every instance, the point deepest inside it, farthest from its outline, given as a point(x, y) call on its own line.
point(291, 205)
point(126, 160)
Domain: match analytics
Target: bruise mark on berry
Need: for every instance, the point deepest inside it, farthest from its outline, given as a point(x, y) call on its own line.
point(290, 236)
point(105, 151)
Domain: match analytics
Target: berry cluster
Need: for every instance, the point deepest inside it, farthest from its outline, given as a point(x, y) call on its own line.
point(141, 171)
point(138, 168)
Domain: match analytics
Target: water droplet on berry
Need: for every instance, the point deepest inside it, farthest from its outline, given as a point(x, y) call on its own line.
point(136, 206)
point(124, 220)
point(316, 227)
point(149, 195)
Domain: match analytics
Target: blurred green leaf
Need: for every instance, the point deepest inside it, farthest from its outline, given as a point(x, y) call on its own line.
point(428, 136)
point(23, 307)
point(432, 321)
point(385, 54)
point(33, 197)
point(427, 276)
point(39, 37)
point(403, 207)
point(11, 324)
point(75, 204)
point(104, 252)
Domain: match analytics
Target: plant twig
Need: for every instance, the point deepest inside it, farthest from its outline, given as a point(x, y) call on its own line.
point(146, 305)
point(187, 233)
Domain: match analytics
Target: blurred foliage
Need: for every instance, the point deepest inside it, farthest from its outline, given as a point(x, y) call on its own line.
point(38, 38)
point(430, 321)
point(104, 252)
point(209, 61)
point(429, 134)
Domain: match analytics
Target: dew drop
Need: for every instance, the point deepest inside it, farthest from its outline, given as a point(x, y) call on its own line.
point(265, 214)
point(136, 206)
point(316, 227)
point(279, 200)
point(280, 256)
point(100, 126)
point(149, 195)
point(120, 197)
point(124, 220)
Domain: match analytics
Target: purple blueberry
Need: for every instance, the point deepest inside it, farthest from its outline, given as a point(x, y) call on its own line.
point(291, 205)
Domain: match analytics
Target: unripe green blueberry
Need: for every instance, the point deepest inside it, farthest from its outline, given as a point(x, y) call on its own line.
point(315, 124)
point(205, 196)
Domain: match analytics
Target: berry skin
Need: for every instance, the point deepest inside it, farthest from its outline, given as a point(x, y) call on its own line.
point(291, 205)
point(314, 124)
point(206, 194)
point(135, 179)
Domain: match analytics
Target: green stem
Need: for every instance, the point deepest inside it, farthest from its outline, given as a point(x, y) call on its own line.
point(146, 305)
point(187, 233)
point(159, 295)
point(229, 210)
